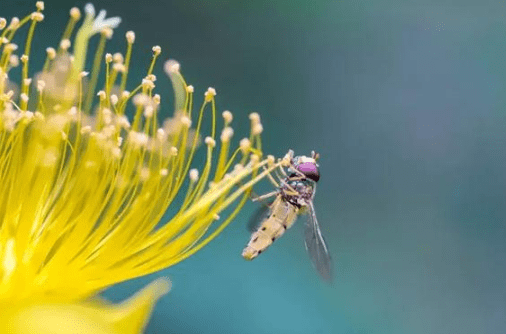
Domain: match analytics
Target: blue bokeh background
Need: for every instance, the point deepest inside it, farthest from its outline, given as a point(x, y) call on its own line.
point(406, 103)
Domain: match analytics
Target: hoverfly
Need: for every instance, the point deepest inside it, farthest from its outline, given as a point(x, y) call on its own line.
point(293, 197)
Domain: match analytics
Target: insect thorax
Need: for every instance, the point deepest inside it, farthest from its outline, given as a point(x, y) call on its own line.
point(304, 188)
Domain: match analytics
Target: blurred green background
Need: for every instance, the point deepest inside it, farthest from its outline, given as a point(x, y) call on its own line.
point(406, 103)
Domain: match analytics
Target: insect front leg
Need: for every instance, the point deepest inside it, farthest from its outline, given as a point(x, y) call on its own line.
point(289, 190)
point(271, 179)
point(282, 171)
point(265, 196)
point(297, 178)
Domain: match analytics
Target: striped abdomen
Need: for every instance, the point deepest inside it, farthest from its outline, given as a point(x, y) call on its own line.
point(281, 217)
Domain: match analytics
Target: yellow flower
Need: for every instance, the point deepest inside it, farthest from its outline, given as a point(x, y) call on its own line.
point(83, 187)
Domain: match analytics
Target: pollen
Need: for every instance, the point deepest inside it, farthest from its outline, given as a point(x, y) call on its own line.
point(40, 85)
point(75, 13)
point(130, 36)
point(210, 142)
point(171, 66)
point(24, 97)
point(114, 99)
point(14, 60)
point(210, 94)
point(37, 16)
point(118, 58)
point(257, 129)
point(51, 53)
point(194, 175)
point(14, 23)
point(157, 50)
point(245, 144)
point(226, 134)
point(65, 44)
point(227, 117)
point(107, 32)
point(254, 117)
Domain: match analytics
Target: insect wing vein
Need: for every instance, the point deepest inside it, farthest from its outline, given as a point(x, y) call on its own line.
point(316, 246)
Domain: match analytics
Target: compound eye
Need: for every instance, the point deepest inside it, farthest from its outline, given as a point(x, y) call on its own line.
point(310, 170)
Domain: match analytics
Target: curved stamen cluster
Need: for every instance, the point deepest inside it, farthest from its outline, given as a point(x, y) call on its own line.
point(83, 187)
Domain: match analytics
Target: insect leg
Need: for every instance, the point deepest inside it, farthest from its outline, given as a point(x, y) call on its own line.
point(271, 179)
point(298, 172)
point(282, 171)
point(297, 178)
point(289, 191)
point(265, 196)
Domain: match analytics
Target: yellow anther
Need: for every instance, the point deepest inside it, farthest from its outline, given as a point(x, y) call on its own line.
point(245, 145)
point(271, 160)
point(39, 5)
point(118, 67)
point(157, 50)
point(75, 13)
point(226, 134)
point(14, 60)
point(11, 47)
point(37, 16)
point(107, 32)
point(147, 84)
point(257, 129)
point(51, 53)
point(140, 99)
point(14, 23)
point(254, 117)
point(171, 66)
point(108, 57)
point(161, 135)
point(210, 142)
point(118, 58)
point(194, 174)
point(130, 36)
point(114, 99)
point(101, 94)
point(227, 116)
point(186, 121)
point(148, 111)
point(210, 94)
point(65, 44)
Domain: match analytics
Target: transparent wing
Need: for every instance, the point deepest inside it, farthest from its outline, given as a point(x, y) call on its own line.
point(316, 247)
point(259, 215)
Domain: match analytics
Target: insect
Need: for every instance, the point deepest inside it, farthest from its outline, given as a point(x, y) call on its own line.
point(293, 197)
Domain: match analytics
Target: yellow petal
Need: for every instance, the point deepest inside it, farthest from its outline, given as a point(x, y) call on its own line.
point(92, 317)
